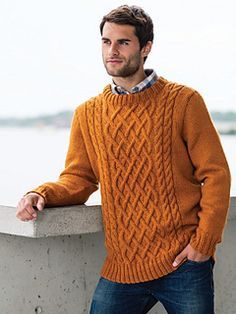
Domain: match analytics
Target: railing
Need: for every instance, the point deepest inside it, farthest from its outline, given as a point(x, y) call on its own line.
point(52, 265)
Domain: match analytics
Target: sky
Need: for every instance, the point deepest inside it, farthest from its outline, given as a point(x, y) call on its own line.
point(50, 51)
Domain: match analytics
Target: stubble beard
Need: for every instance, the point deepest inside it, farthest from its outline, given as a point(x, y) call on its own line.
point(128, 69)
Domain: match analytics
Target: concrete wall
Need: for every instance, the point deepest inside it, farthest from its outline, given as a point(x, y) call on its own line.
point(52, 265)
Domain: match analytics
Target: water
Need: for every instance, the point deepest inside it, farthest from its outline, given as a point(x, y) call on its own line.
point(30, 157)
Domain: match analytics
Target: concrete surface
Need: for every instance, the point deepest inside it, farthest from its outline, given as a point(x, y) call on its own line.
point(52, 265)
point(57, 221)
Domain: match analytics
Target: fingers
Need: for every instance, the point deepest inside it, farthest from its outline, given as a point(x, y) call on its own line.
point(28, 205)
point(40, 204)
point(191, 254)
point(25, 211)
point(180, 258)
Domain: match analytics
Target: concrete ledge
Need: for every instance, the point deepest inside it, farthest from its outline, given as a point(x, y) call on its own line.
point(57, 221)
point(232, 210)
point(60, 221)
point(58, 272)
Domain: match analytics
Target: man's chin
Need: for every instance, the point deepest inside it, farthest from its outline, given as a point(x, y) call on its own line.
point(122, 72)
point(113, 73)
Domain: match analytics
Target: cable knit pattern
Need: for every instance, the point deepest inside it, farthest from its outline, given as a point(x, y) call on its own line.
point(159, 181)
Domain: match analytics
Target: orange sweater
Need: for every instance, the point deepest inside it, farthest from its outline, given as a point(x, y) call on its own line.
point(163, 176)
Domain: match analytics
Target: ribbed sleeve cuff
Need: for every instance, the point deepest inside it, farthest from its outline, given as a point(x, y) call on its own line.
point(40, 191)
point(204, 242)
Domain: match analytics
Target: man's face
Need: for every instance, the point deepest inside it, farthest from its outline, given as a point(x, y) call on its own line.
point(121, 50)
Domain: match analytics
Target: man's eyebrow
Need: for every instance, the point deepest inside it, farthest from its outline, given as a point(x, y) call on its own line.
point(124, 39)
point(119, 40)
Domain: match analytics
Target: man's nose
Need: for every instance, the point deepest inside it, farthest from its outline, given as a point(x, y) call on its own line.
point(113, 50)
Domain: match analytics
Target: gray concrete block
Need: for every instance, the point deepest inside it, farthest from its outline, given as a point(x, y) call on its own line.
point(52, 266)
point(56, 221)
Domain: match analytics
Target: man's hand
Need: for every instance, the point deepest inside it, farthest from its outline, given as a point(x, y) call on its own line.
point(28, 205)
point(190, 254)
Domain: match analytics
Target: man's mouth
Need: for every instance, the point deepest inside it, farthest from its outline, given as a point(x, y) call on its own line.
point(114, 61)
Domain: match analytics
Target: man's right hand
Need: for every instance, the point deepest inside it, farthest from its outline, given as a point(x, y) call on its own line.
point(28, 205)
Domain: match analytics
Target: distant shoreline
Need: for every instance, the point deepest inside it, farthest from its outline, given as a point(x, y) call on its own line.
point(225, 122)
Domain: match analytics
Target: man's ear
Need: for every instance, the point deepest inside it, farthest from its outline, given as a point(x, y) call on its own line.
point(146, 49)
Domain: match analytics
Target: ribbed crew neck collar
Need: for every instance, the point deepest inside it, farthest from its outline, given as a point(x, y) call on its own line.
point(129, 99)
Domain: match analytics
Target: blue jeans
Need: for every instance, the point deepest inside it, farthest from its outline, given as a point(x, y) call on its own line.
point(187, 290)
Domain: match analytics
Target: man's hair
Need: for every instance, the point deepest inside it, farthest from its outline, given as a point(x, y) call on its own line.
point(135, 16)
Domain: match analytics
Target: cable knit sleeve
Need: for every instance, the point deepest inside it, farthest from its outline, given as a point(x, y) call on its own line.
point(77, 181)
point(211, 170)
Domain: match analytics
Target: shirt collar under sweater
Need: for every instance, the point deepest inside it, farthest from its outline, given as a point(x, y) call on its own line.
point(134, 98)
point(147, 82)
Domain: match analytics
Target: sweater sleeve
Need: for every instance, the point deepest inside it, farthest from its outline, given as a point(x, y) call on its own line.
point(211, 170)
point(77, 181)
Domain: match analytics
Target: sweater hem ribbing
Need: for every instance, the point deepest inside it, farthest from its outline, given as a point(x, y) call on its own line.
point(135, 273)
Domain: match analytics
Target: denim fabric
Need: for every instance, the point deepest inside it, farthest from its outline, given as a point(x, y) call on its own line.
point(187, 290)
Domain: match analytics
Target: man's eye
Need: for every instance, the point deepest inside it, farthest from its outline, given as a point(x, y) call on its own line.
point(124, 43)
point(106, 42)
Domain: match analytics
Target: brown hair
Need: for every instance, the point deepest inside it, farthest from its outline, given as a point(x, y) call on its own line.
point(135, 16)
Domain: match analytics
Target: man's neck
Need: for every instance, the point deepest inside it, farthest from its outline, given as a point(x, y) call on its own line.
point(128, 82)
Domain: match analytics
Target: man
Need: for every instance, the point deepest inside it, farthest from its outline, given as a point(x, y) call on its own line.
point(165, 182)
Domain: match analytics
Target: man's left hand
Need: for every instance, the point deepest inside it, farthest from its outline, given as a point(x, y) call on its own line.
point(190, 254)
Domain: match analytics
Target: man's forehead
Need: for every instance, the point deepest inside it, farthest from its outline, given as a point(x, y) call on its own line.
point(118, 30)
